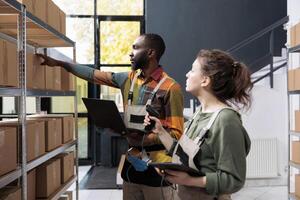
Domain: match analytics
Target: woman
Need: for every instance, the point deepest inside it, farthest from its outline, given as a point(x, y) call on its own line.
point(215, 142)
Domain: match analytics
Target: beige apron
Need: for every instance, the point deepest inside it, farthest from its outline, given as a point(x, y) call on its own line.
point(134, 114)
point(191, 148)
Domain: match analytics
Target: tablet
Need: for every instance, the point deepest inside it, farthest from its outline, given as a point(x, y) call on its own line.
point(105, 114)
point(175, 167)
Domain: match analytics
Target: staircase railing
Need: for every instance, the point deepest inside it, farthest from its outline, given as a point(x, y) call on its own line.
point(270, 29)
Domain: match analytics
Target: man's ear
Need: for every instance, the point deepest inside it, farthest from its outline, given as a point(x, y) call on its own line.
point(151, 53)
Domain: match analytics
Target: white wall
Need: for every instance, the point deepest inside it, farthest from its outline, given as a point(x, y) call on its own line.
point(268, 118)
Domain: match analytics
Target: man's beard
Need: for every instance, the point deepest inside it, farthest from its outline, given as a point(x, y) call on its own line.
point(140, 62)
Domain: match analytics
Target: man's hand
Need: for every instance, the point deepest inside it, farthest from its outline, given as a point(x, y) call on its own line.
point(136, 139)
point(48, 60)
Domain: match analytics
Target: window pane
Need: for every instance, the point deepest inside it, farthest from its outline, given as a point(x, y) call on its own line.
point(82, 32)
point(76, 7)
point(120, 7)
point(31, 105)
point(116, 40)
point(82, 91)
point(82, 138)
point(66, 104)
point(8, 106)
point(110, 93)
point(62, 104)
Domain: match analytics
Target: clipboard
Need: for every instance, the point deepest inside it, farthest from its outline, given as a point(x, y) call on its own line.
point(105, 114)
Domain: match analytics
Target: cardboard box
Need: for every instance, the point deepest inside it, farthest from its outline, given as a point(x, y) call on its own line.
point(297, 79)
point(297, 37)
point(297, 121)
point(67, 81)
point(293, 36)
point(35, 139)
point(48, 178)
point(67, 124)
point(53, 133)
point(9, 72)
point(35, 136)
point(36, 7)
point(53, 15)
point(8, 149)
point(62, 17)
point(53, 78)
point(297, 185)
point(67, 166)
point(31, 185)
point(10, 193)
point(2, 62)
point(35, 72)
point(296, 151)
point(68, 129)
point(64, 197)
point(291, 80)
point(67, 196)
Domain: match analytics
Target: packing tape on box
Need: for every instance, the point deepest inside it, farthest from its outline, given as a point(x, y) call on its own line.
point(5, 62)
point(37, 144)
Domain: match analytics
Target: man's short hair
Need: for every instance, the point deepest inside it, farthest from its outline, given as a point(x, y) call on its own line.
point(155, 41)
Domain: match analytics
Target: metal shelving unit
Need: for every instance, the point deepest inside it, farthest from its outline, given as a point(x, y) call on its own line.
point(292, 133)
point(27, 30)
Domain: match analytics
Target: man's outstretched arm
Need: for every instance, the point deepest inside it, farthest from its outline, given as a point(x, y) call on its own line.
point(81, 71)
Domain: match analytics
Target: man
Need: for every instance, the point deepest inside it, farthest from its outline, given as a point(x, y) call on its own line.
point(147, 83)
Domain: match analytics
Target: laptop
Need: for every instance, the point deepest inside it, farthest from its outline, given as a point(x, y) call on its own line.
point(105, 114)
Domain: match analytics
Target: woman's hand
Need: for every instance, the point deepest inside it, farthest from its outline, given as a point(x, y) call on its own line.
point(177, 177)
point(158, 126)
point(183, 178)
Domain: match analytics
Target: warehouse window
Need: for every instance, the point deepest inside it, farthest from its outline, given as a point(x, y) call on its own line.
point(76, 7)
point(120, 7)
point(119, 26)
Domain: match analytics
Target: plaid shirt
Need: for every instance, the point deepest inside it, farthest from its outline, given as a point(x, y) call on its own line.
point(168, 101)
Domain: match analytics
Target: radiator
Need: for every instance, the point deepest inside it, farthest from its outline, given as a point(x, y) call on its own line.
point(262, 159)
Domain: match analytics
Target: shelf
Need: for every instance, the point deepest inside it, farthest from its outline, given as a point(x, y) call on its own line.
point(33, 92)
point(39, 33)
point(10, 177)
point(48, 93)
point(292, 196)
point(62, 189)
point(293, 133)
point(31, 165)
point(294, 92)
point(295, 165)
point(295, 49)
point(10, 92)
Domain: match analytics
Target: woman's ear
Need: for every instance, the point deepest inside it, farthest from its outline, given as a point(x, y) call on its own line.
point(205, 81)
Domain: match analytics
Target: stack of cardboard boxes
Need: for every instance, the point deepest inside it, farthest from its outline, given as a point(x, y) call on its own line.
point(38, 77)
point(48, 12)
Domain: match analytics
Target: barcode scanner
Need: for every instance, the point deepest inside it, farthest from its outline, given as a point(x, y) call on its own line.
point(152, 112)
